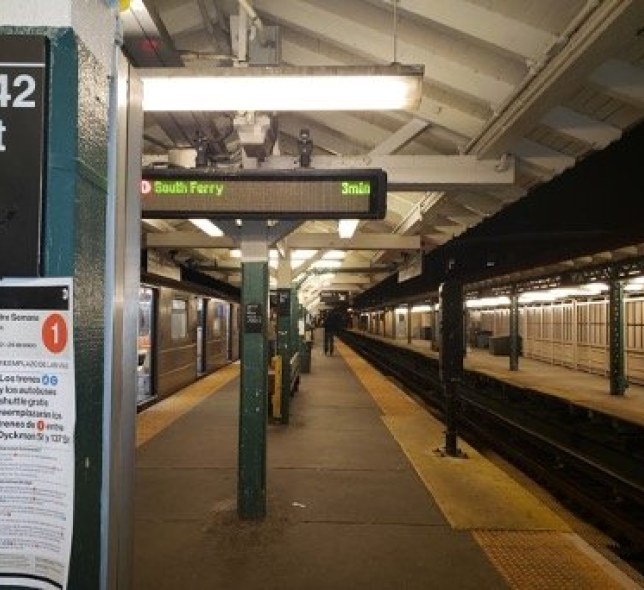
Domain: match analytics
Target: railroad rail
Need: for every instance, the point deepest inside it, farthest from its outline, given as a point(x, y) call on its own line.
point(591, 461)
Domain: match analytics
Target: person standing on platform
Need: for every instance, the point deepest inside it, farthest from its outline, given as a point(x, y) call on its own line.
point(332, 323)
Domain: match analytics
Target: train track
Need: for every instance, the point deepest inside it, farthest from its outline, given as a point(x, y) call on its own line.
point(590, 461)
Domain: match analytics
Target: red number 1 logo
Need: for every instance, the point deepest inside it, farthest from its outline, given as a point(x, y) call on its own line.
point(54, 333)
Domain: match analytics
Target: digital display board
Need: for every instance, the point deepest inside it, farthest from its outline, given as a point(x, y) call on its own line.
point(265, 194)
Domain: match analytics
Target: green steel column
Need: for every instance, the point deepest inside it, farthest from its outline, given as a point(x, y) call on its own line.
point(409, 306)
point(285, 347)
point(618, 383)
point(451, 357)
point(74, 245)
point(251, 490)
point(514, 331)
point(435, 328)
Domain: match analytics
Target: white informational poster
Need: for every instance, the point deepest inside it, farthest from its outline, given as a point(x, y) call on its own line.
point(37, 419)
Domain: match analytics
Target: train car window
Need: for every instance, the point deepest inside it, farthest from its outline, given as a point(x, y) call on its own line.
point(179, 319)
point(219, 320)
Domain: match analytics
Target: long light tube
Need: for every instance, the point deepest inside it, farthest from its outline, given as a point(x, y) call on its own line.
point(347, 227)
point(208, 227)
point(282, 89)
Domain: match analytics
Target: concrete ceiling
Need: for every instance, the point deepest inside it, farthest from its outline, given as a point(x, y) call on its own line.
point(515, 93)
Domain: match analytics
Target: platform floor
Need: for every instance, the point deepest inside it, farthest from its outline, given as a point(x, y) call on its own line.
point(357, 498)
point(581, 388)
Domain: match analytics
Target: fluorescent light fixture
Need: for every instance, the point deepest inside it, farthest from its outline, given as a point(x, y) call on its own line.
point(347, 227)
point(487, 302)
point(302, 255)
point(208, 227)
point(334, 255)
point(327, 264)
point(286, 88)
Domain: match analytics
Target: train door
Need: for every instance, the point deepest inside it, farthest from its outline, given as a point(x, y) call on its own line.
point(233, 338)
point(146, 335)
point(202, 307)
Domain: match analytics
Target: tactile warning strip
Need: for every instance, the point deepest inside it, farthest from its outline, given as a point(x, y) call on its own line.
point(159, 416)
point(534, 560)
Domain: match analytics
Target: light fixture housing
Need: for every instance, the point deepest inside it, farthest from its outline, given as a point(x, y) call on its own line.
point(283, 88)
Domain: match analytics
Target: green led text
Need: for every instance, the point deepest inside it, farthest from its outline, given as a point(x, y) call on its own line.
point(189, 187)
point(362, 187)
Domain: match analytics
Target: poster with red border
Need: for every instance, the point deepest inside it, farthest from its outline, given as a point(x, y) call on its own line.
point(37, 421)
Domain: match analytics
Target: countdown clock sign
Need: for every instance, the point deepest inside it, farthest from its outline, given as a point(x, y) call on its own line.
point(23, 67)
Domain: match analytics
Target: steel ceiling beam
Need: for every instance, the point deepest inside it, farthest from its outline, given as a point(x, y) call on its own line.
point(362, 241)
point(417, 172)
point(580, 127)
point(493, 28)
point(602, 32)
point(354, 34)
point(400, 138)
point(621, 80)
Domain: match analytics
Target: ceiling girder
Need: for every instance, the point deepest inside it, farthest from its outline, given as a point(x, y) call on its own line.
point(621, 80)
point(417, 172)
point(363, 241)
point(542, 157)
point(400, 138)
point(603, 32)
point(368, 41)
point(187, 239)
point(493, 28)
point(596, 133)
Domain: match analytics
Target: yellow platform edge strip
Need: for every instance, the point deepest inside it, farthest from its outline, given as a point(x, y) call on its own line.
point(457, 484)
point(158, 417)
point(530, 545)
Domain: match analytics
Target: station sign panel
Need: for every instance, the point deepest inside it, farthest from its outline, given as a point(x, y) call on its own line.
point(23, 66)
point(265, 194)
point(327, 296)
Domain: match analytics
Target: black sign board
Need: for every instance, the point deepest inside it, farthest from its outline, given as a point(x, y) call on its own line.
point(14, 297)
point(253, 318)
point(334, 296)
point(304, 193)
point(23, 67)
point(283, 302)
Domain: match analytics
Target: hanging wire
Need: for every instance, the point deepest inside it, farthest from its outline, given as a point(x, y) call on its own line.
point(395, 31)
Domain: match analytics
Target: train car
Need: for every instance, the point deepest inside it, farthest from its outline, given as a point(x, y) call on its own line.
point(185, 333)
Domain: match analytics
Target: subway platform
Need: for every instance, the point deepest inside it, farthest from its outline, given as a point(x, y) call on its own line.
point(580, 388)
point(357, 497)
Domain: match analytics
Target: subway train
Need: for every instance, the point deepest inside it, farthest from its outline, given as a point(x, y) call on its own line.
point(185, 331)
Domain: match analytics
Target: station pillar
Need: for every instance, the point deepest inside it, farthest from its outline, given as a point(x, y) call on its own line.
point(617, 373)
point(253, 402)
point(450, 357)
point(514, 331)
point(80, 220)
